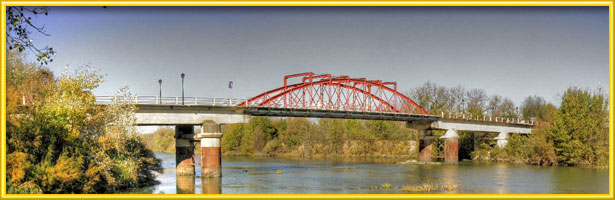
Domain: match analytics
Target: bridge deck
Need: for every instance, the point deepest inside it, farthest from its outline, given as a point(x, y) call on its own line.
point(321, 113)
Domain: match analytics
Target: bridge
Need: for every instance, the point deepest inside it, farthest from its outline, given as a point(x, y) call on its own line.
point(312, 96)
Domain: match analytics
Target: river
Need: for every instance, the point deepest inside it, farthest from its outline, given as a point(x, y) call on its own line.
point(258, 175)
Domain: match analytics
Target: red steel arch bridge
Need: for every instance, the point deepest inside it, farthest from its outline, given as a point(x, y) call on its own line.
point(324, 91)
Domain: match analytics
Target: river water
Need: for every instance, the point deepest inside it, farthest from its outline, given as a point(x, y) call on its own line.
point(257, 175)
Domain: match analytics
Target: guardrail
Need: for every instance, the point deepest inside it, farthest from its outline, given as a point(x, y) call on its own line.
point(171, 100)
point(486, 118)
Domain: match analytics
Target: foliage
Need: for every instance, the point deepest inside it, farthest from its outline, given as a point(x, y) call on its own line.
point(578, 134)
point(61, 142)
point(327, 137)
point(18, 30)
point(536, 107)
point(580, 131)
point(162, 140)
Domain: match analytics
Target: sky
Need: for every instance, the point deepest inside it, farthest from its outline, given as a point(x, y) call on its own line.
point(514, 52)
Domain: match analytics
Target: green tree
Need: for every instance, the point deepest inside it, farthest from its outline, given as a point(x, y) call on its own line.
point(579, 130)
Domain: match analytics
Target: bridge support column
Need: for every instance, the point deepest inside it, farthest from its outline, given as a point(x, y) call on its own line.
point(478, 139)
point(502, 139)
point(425, 146)
point(451, 147)
point(211, 159)
point(184, 150)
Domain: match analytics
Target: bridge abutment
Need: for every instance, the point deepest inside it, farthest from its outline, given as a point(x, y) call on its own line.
point(211, 159)
point(184, 150)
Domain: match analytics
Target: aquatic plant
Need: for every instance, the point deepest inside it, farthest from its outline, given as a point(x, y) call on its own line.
point(426, 187)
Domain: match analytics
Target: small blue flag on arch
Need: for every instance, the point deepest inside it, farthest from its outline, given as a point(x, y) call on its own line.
point(230, 84)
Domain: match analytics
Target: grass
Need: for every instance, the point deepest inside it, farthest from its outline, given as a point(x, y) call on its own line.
point(426, 187)
point(386, 186)
point(279, 172)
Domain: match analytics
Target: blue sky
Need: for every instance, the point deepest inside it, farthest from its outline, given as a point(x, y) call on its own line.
point(511, 51)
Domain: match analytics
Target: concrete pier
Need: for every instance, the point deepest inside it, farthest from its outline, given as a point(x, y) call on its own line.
point(425, 146)
point(184, 150)
point(211, 159)
point(451, 147)
point(502, 139)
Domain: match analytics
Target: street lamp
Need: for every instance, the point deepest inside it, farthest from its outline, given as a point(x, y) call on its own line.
point(183, 75)
point(160, 97)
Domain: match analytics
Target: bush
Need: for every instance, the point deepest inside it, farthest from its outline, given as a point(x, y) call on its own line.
point(64, 143)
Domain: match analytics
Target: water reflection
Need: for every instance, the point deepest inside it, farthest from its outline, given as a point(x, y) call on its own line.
point(501, 171)
point(211, 185)
point(185, 184)
point(450, 176)
point(258, 175)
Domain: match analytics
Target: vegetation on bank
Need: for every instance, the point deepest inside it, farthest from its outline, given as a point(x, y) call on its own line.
point(326, 137)
point(576, 133)
point(61, 142)
point(162, 140)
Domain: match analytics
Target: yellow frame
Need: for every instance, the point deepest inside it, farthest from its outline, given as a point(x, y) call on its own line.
point(4, 4)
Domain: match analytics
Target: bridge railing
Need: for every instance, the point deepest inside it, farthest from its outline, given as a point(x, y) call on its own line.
point(207, 101)
point(486, 118)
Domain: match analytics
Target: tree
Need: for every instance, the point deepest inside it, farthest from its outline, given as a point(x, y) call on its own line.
point(579, 131)
point(537, 108)
point(61, 142)
point(476, 102)
point(507, 109)
point(494, 103)
point(19, 25)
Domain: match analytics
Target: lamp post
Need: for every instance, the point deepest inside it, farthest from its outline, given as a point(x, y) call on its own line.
point(160, 97)
point(183, 75)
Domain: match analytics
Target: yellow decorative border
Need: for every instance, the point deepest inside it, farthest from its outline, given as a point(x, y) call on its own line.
point(4, 4)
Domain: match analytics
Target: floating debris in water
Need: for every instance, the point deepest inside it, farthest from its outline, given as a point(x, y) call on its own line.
point(386, 186)
point(279, 172)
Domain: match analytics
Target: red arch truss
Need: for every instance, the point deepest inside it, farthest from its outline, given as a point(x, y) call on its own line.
point(336, 93)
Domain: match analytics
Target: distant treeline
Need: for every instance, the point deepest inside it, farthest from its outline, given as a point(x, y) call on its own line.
point(440, 99)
